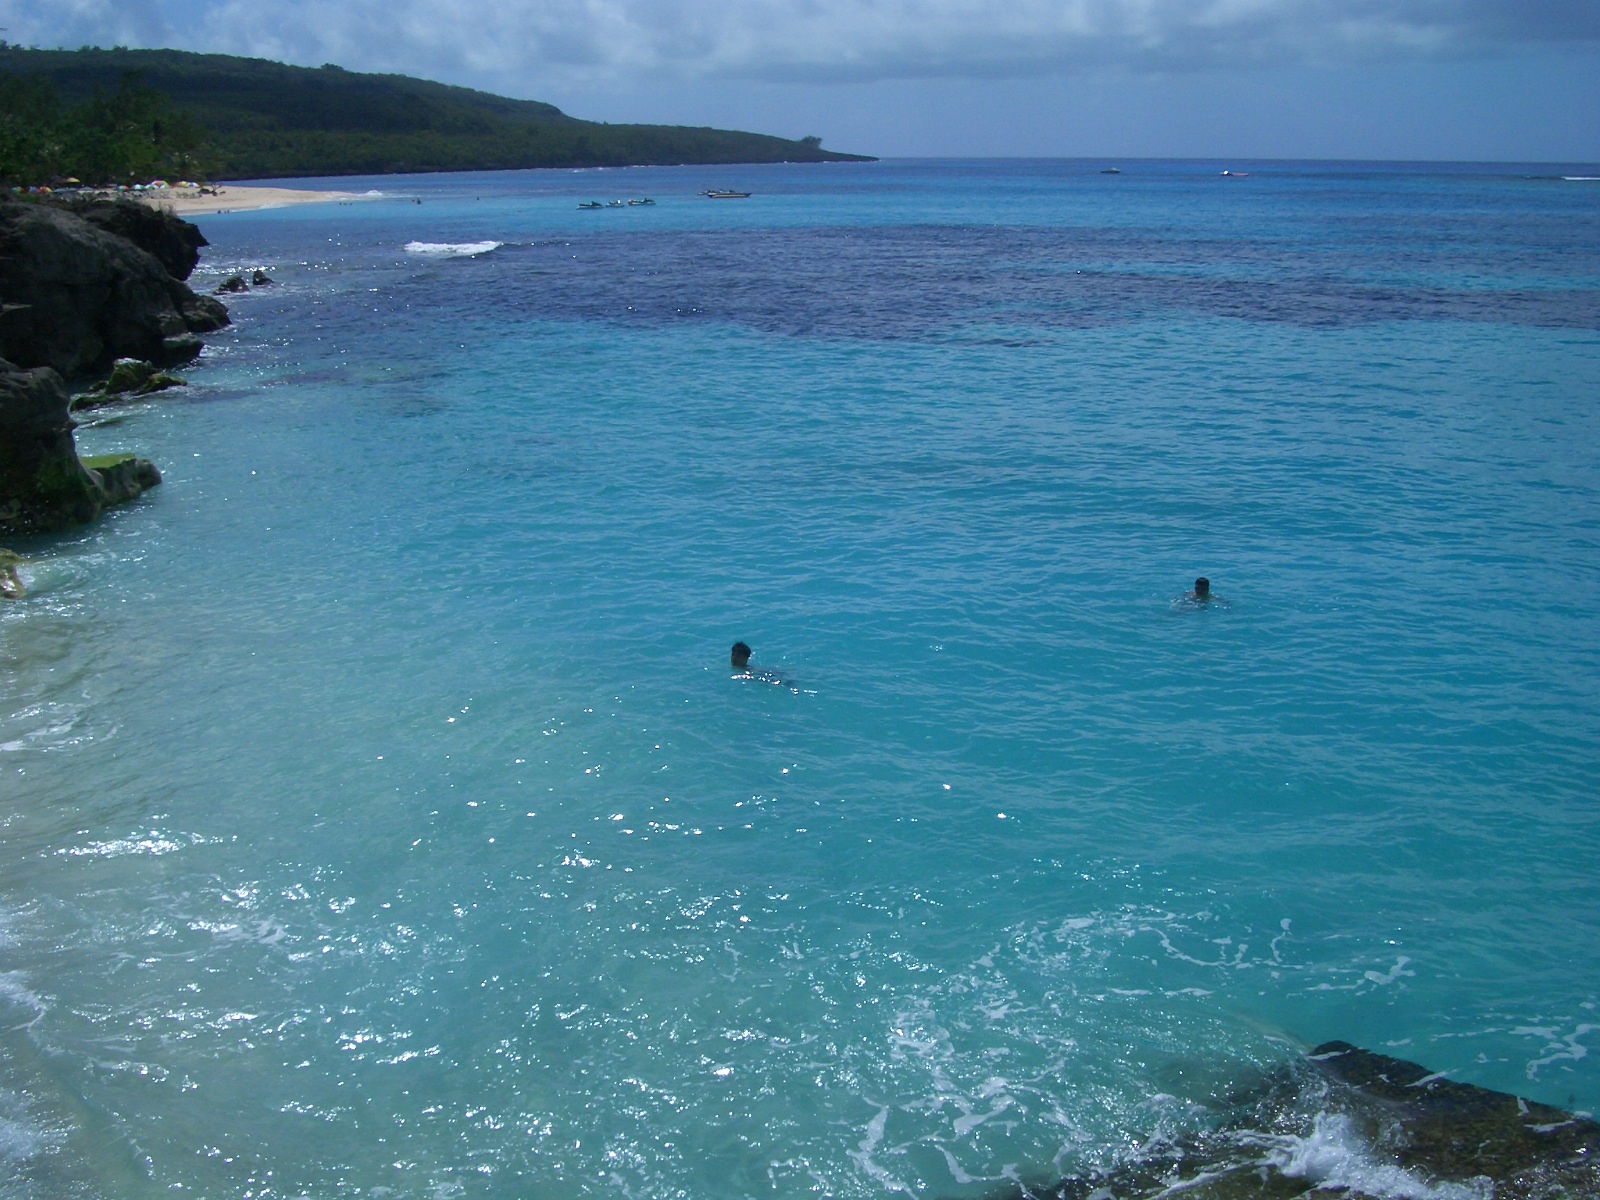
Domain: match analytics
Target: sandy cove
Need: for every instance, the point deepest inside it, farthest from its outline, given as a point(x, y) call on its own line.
point(191, 202)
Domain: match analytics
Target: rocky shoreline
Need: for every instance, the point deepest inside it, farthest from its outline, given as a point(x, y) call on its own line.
point(91, 293)
point(93, 297)
point(1348, 1123)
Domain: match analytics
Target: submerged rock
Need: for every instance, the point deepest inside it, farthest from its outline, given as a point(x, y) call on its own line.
point(44, 486)
point(10, 582)
point(75, 296)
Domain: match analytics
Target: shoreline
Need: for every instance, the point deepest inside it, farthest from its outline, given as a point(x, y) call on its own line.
point(184, 202)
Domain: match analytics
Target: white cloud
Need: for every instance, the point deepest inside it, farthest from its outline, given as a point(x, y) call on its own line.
point(558, 44)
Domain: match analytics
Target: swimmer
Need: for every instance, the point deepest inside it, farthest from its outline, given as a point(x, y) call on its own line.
point(1201, 597)
point(739, 659)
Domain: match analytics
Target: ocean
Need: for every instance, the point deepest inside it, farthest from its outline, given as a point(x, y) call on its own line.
point(380, 815)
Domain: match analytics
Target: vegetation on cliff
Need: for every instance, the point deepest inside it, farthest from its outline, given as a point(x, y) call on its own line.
point(128, 132)
point(171, 113)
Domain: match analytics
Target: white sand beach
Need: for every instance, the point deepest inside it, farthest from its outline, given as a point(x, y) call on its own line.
point(195, 202)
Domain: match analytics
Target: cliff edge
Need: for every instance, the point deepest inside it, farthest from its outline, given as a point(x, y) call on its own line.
point(80, 289)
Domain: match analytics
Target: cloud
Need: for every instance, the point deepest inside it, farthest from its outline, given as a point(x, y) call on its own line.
point(551, 44)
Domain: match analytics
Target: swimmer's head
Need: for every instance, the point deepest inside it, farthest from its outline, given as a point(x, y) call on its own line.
point(1202, 588)
point(740, 657)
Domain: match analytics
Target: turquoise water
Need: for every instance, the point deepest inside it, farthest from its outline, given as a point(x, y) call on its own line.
point(380, 818)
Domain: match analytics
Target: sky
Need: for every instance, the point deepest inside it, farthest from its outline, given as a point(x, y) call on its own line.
point(1452, 80)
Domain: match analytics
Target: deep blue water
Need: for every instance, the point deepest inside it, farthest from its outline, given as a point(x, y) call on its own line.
point(380, 817)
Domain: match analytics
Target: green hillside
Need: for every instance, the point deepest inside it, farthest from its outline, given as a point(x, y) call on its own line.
point(246, 118)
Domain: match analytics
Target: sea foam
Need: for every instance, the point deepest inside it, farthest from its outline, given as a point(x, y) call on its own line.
point(1334, 1156)
point(452, 249)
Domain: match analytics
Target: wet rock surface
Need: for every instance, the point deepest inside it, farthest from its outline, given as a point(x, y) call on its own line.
point(1456, 1131)
point(1346, 1122)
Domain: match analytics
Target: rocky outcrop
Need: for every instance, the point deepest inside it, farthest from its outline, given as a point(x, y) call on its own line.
point(75, 296)
point(44, 486)
point(1347, 1124)
point(122, 477)
point(236, 283)
point(1442, 1129)
point(130, 377)
point(171, 241)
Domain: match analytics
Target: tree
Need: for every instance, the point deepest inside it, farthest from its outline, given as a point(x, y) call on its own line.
point(30, 149)
point(132, 135)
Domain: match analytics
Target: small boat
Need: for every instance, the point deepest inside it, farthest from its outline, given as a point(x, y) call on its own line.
point(617, 204)
point(1111, 171)
point(1237, 174)
point(640, 202)
point(591, 204)
point(723, 194)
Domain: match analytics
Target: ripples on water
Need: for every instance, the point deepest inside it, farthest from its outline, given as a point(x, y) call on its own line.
point(380, 813)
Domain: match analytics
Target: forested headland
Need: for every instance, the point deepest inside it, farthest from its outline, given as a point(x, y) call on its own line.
point(125, 116)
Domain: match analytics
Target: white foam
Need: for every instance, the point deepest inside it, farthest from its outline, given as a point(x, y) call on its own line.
point(14, 991)
point(1334, 1156)
point(452, 249)
point(19, 1141)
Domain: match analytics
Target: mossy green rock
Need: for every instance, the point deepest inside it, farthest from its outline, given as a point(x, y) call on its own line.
point(123, 476)
point(130, 377)
point(44, 486)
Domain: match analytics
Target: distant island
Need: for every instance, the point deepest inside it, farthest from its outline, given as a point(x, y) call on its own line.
point(122, 113)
